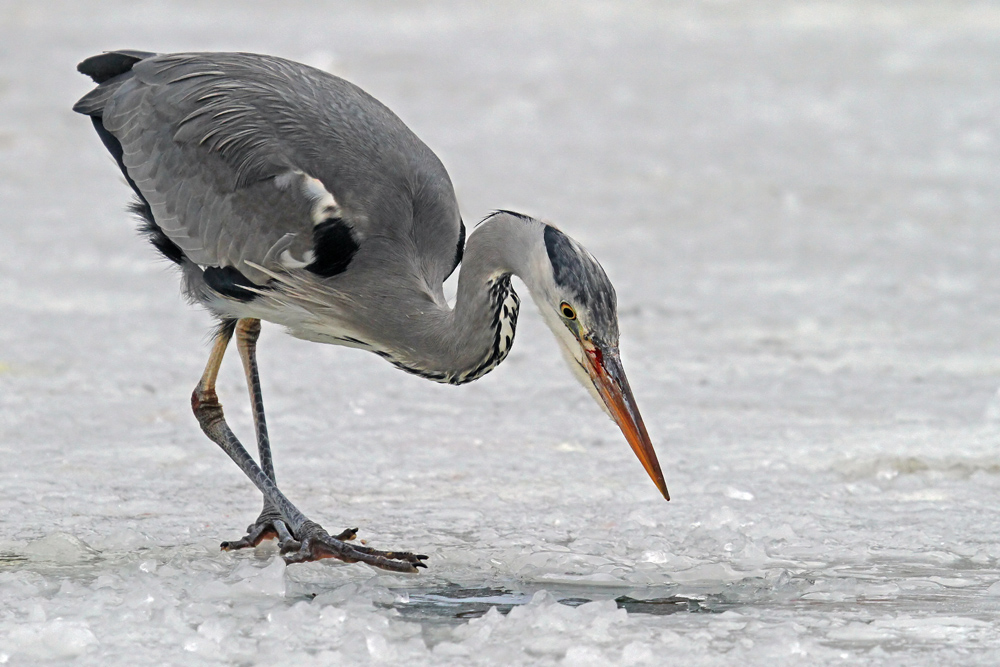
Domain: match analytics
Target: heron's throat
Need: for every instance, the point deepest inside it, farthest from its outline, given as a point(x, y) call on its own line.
point(461, 344)
point(488, 326)
point(506, 304)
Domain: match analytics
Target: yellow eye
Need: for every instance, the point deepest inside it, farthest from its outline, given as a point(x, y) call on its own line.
point(567, 311)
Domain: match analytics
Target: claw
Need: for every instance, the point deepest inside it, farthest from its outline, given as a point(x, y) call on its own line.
point(347, 535)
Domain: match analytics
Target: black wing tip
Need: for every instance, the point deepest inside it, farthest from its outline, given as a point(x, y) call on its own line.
point(148, 228)
point(110, 64)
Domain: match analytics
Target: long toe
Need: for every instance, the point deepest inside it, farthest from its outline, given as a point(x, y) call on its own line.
point(268, 526)
point(318, 544)
point(388, 560)
point(255, 535)
point(392, 555)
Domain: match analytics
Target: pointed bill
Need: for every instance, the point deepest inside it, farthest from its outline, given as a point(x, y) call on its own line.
point(608, 376)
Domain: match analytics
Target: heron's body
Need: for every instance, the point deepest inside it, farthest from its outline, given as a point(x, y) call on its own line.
point(289, 195)
point(233, 182)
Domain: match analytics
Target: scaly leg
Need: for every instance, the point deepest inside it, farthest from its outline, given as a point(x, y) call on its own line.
point(306, 539)
point(269, 524)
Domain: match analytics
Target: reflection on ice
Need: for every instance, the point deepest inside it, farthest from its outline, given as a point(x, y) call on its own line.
point(452, 604)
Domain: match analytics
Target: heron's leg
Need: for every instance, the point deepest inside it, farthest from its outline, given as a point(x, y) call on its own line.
point(208, 410)
point(269, 524)
point(247, 333)
point(314, 543)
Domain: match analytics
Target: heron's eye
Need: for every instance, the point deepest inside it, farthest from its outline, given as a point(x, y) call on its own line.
point(567, 311)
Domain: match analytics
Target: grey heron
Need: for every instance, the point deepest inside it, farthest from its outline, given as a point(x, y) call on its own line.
point(286, 194)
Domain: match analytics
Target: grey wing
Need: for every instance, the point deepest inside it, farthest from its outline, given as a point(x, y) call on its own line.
point(200, 144)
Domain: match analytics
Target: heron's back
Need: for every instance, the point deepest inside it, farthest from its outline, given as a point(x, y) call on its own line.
point(248, 161)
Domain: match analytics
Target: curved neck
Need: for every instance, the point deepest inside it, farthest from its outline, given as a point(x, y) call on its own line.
point(464, 343)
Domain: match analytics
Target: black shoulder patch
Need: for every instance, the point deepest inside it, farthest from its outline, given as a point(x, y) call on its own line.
point(460, 250)
point(228, 281)
point(333, 247)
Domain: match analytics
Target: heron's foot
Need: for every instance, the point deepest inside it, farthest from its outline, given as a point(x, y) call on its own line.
point(317, 544)
point(267, 526)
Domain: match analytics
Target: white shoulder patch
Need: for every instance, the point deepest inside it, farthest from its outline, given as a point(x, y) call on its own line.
point(324, 205)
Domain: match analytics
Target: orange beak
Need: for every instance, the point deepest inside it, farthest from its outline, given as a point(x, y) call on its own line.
point(608, 376)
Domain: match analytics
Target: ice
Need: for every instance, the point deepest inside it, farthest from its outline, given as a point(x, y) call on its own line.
point(797, 204)
point(268, 580)
point(59, 548)
point(47, 640)
point(577, 635)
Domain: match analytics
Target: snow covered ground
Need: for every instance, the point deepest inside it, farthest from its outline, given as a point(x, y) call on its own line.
point(797, 203)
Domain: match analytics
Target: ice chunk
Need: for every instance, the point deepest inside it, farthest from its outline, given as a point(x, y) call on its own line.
point(57, 639)
point(585, 656)
point(880, 591)
point(379, 648)
point(60, 548)
point(737, 494)
point(253, 580)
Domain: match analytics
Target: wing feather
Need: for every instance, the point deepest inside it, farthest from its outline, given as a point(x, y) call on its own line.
point(239, 156)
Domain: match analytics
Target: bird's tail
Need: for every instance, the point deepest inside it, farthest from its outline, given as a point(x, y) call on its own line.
point(103, 68)
point(109, 71)
point(110, 64)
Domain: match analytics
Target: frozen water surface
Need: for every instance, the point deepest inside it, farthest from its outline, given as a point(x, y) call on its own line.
point(798, 205)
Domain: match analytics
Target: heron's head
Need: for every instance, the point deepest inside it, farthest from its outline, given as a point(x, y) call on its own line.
point(580, 307)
